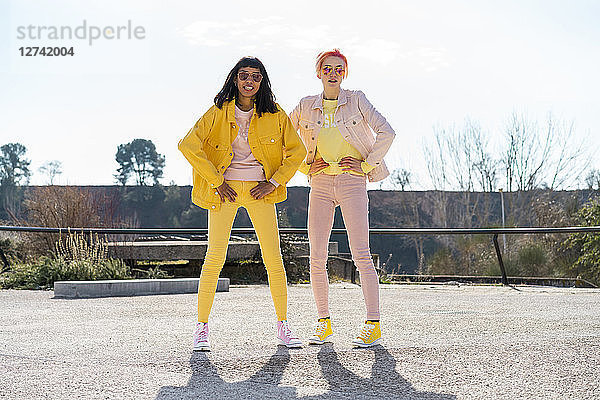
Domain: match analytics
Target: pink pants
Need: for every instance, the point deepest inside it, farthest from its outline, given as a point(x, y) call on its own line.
point(350, 193)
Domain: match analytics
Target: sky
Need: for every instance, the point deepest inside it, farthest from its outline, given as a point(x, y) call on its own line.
point(422, 64)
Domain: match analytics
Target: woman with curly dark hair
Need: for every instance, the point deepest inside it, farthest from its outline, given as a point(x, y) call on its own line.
point(243, 151)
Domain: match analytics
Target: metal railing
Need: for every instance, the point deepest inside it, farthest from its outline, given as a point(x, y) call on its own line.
point(303, 231)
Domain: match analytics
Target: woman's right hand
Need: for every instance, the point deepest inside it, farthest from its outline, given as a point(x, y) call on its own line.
point(226, 192)
point(317, 166)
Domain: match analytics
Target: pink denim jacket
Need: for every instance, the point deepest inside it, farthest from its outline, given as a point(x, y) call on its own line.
point(353, 116)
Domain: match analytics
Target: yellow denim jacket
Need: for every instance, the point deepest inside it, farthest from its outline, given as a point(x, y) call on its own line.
point(207, 146)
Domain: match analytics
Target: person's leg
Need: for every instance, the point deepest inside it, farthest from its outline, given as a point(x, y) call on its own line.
point(321, 209)
point(219, 230)
point(264, 219)
point(351, 193)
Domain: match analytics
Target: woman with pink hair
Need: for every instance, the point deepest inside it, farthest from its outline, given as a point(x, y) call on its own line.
point(346, 139)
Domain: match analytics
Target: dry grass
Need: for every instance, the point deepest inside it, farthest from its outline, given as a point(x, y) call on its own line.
point(79, 246)
point(67, 207)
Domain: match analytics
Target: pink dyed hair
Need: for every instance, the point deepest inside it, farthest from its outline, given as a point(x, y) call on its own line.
point(335, 53)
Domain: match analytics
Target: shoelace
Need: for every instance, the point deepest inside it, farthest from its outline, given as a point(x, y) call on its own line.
point(201, 334)
point(287, 332)
point(320, 327)
point(366, 331)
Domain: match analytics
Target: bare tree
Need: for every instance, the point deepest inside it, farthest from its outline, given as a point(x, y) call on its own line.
point(400, 178)
point(526, 154)
point(570, 158)
point(592, 179)
point(460, 159)
point(486, 166)
point(51, 169)
point(548, 157)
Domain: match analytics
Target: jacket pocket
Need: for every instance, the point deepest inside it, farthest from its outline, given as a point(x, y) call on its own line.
point(214, 149)
point(306, 125)
point(272, 149)
point(360, 131)
point(271, 143)
point(353, 122)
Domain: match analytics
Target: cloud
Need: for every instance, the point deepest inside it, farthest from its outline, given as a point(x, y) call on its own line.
point(304, 38)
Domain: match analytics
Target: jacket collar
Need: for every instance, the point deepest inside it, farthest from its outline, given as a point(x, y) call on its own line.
point(230, 110)
point(342, 99)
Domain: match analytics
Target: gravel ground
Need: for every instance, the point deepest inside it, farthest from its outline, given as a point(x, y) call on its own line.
point(440, 342)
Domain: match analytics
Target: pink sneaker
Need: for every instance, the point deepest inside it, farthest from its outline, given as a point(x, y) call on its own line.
point(201, 337)
point(286, 336)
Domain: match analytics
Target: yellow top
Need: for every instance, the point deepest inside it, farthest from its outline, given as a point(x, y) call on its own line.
point(331, 145)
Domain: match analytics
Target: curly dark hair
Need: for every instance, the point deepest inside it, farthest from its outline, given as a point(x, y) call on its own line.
point(264, 99)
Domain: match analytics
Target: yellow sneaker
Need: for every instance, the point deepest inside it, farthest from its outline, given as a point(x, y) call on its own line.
point(322, 332)
point(369, 335)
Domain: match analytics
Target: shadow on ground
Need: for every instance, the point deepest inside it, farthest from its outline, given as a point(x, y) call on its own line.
point(384, 383)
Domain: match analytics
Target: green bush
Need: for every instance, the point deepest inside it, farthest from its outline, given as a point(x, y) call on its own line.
point(532, 260)
point(42, 273)
point(586, 245)
point(12, 249)
point(442, 262)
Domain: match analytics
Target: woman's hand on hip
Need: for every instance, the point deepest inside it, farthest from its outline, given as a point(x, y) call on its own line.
point(317, 166)
point(226, 192)
point(261, 190)
point(349, 163)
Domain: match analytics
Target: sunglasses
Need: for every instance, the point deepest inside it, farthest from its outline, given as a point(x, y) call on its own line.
point(328, 70)
point(243, 75)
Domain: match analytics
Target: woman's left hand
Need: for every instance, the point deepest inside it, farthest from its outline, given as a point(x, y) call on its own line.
point(261, 190)
point(351, 164)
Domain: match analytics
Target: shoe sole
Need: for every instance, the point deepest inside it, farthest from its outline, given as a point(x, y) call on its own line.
point(202, 348)
point(289, 346)
point(315, 341)
point(363, 345)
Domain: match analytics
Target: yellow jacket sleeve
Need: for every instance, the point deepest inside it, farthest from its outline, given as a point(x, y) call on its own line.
point(304, 167)
point(192, 147)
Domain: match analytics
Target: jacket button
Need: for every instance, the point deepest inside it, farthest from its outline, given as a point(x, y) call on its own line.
point(306, 126)
point(213, 207)
point(313, 138)
point(272, 140)
point(319, 122)
point(233, 126)
point(222, 166)
point(230, 154)
point(353, 122)
point(217, 193)
point(310, 151)
point(217, 146)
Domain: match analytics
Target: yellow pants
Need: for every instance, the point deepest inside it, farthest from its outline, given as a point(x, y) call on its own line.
point(264, 219)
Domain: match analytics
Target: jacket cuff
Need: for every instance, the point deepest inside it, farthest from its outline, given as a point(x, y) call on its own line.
point(304, 168)
point(274, 182)
point(366, 167)
point(216, 182)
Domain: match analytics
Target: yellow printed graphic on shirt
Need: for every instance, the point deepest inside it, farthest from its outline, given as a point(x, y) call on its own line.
point(331, 145)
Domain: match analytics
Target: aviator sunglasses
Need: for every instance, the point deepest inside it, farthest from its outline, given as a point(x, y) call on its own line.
point(328, 70)
point(243, 75)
